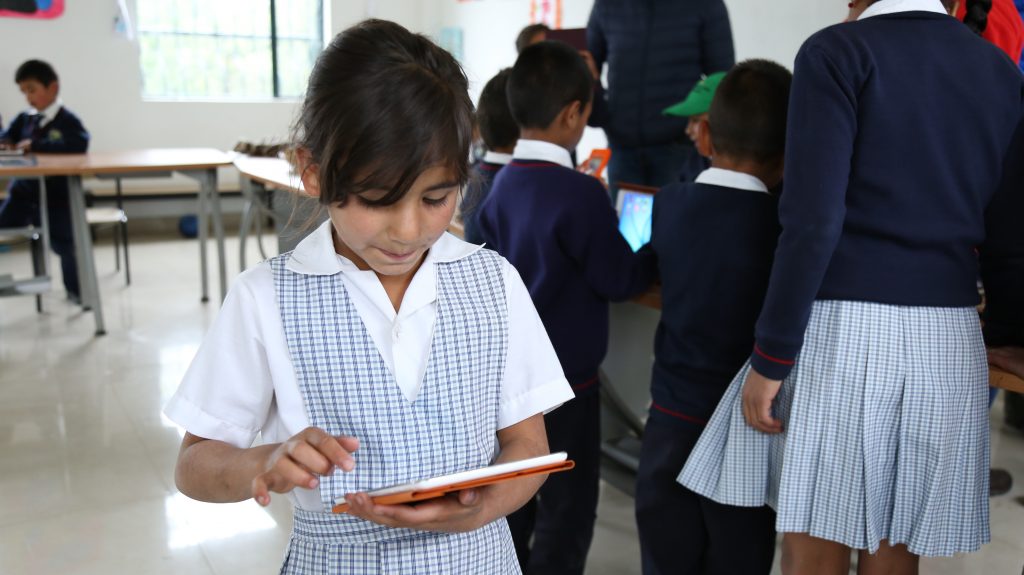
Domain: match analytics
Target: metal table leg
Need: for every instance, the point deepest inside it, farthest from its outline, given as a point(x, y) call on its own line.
point(87, 281)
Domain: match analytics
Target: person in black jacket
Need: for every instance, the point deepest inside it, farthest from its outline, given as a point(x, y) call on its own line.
point(47, 127)
point(656, 51)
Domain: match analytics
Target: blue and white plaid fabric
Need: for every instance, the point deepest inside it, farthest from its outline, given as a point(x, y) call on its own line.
point(886, 433)
point(450, 426)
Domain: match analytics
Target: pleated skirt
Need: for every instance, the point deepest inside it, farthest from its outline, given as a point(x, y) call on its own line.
point(885, 437)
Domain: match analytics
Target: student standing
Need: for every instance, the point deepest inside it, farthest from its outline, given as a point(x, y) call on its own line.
point(862, 417)
point(557, 227)
point(382, 350)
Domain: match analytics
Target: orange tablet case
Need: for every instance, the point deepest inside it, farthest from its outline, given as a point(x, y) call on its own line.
point(411, 496)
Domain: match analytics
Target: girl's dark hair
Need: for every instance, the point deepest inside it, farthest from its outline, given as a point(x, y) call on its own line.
point(383, 105)
point(976, 17)
point(497, 126)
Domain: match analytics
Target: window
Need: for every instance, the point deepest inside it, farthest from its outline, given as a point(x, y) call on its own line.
point(228, 49)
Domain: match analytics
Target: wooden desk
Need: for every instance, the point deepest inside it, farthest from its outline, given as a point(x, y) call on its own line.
point(1004, 380)
point(199, 164)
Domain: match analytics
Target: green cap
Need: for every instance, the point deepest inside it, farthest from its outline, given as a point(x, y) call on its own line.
point(698, 101)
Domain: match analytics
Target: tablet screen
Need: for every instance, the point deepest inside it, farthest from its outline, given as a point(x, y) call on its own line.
point(635, 210)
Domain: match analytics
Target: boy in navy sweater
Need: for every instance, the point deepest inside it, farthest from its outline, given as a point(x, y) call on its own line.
point(47, 127)
point(714, 239)
point(558, 228)
point(499, 131)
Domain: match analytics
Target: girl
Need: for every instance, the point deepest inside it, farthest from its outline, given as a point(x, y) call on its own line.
point(861, 416)
point(382, 350)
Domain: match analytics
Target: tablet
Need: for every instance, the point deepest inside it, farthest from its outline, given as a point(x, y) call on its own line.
point(635, 205)
point(575, 37)
point(444, 484)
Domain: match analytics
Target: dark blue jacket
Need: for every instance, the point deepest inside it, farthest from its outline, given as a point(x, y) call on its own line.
point(64, 133)
point(714, 247)
point(899, 126)
point(559, 230)
point(477, 190)
point(656, 52)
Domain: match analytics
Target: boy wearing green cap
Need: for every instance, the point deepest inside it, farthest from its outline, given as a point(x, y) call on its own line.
point(695, 107)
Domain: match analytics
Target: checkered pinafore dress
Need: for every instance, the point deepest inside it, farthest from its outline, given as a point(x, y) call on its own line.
point(450, 427)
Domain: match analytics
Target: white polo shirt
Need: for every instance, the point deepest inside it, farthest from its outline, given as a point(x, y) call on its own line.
point(242, 381)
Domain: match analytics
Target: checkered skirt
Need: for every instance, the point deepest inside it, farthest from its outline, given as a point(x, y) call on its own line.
point(451, 425)
point(886, 433)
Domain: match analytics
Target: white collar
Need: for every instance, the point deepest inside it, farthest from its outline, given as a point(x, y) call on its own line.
point(731, 179)
point(51, 111)
point(497, 158)
point(315, 254)
point(883, 7)
point(544, 151)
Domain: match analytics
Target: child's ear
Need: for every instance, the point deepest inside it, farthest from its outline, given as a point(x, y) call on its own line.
point(704, 145)
point(309, 172)
point(571, 113)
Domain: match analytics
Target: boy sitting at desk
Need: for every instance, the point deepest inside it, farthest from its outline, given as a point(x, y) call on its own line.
point(715, 240)
point(559, 230)
point(46, 127)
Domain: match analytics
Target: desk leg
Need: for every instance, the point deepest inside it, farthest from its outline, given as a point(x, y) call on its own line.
point(218, 229)
point(83, 246)
point(243, 228)
point(203, 230)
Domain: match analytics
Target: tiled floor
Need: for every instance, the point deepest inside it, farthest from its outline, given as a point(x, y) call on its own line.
point(86, 460)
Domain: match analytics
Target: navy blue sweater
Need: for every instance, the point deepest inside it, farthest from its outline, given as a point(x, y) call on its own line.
point(62, 134)
point(714, 247)
point(477, 190)
point(557, 227)
point(656, 52)
point(898, 130)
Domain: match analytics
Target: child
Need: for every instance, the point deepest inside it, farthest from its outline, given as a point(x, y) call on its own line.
point(695, 109)
point(862, 415)
point(47, 127)
point(500, 132)
point(714, 239)
point(559, 230)
point(382, 350)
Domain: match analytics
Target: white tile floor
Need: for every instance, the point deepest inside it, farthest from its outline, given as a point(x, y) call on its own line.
point(86, 459)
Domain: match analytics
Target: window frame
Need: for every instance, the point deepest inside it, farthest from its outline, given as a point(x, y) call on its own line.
point(272, 36)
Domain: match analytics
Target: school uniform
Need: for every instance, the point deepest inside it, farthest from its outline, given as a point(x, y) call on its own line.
point(891, 202)
point(479, 187)
point(557, 227)
point(309, 339)
point(53, 130)
point(714, 240)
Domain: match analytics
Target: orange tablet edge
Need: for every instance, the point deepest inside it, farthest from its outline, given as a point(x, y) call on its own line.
point(411, 496)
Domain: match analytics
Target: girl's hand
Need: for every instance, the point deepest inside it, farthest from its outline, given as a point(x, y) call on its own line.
point(1009, 359)
point(453, 513)
point(298, 461)
point(758, 394)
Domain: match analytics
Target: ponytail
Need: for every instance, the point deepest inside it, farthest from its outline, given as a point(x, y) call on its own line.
point(976, 17)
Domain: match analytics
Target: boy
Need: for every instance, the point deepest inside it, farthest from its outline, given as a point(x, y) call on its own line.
point(46, 127)
point(714, 239)
point(559, 230)
point(499, 131)
point(695, 109)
